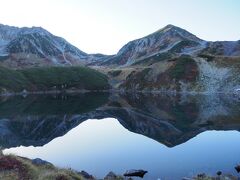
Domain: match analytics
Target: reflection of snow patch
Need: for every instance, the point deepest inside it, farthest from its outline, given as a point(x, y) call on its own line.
point(4, 130)
point(212, 107)
point(237, 91)
point(3, 45)
point(185, 87)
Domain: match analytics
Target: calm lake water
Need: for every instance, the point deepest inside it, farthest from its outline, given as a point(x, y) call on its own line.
point(170, 136)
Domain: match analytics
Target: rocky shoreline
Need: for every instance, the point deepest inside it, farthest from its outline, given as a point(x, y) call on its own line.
point(76, 91)
point(20, 168)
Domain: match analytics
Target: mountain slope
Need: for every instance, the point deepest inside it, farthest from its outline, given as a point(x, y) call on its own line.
point(175, 60)
point(168, 39)
point(26, 47)
point(179, 73)
point(172, 40)
point(51, 79)
point(170, 59)
point(223, 48)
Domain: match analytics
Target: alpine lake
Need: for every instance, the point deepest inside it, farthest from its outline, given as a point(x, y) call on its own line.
point(170, 136)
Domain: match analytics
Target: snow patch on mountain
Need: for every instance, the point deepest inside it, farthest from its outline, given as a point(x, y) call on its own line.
point(213, 78)
point(196, 49)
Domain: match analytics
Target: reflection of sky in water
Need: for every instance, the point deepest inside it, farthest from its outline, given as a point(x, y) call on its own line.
point(100, 146)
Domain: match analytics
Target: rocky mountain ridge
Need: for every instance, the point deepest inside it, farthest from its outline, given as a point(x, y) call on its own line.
point(169, 38)
point(27, 47)
point(24, 44)
point(170, 59)
point(175, 60)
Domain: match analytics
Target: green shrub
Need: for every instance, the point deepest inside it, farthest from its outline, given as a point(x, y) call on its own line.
point(49, 78)
point(179, 68)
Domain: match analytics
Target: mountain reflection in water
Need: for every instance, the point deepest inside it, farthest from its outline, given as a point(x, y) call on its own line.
point(169, 120)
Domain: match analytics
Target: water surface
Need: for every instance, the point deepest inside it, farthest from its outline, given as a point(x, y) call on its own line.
point(170, 136)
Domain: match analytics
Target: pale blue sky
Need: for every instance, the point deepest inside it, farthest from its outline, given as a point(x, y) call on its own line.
point(104, 26)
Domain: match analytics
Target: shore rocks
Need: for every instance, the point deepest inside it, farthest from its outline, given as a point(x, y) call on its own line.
point(237, 168)
point(110, 176)
point(218, 177)
point(39, 161)
point(136, 173)
point(86, 175)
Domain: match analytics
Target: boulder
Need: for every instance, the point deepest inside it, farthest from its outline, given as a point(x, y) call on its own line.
point(136, 173)
point(237, 168)
point(39, 161)
point(86, 175)
point(113, 176)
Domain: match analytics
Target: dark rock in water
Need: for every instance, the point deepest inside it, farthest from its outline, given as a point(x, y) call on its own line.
point(137, 173)
point(110, 176)
point(39, 161)
point(237, 168)
point(86, 175)
point(219, 173)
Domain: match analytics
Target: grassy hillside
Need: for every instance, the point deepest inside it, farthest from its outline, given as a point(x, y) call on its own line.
point(51, 78)
point(163, 74)
point(15, 168)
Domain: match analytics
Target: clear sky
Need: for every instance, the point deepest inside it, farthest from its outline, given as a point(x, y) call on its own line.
point(104, 26)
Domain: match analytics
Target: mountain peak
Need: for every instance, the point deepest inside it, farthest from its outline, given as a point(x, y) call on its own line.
point(39, 30)
point(13, 31)
point(166, 39)
point(36, 44)
point(170, 26)
point(173, 30)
